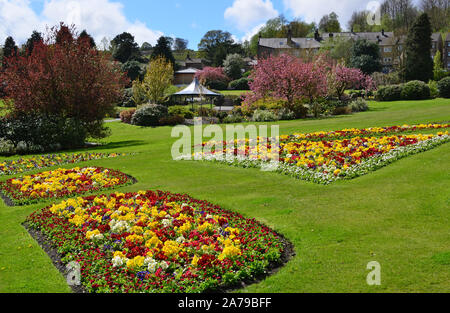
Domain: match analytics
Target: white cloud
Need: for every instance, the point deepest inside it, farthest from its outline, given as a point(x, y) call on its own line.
point(101, 18)
point(246, 13)
point(312, 11)
point(248, 35)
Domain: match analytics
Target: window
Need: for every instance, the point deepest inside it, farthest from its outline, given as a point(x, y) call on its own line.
point(387, 60)
point(387, 49)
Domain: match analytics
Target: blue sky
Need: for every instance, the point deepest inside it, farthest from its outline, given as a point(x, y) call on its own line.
point(149, 19)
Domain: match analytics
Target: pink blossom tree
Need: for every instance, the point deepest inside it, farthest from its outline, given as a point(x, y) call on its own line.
point(286, 77)
point(341, 78)
point(212, 77)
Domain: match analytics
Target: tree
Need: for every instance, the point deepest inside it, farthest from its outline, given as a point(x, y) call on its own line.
point(401, 12)
point(34, 39)
point(162, 49)
point(133, 69)
point(366, 56)
point(233, 65)
point(146, 47)
point(64, 78)
point(342, 78)
point(9, 48)
point(216, 45)
point(155, 83)
point(65, 34)
point(85, 36)
point(213, 77)
point(125, 48)
point(438, 69)
point(286, 78)
point(338, 49)
point(180, 44)
point(439, 13)
point(330, 23)
point(419, 64)
point(106, 44)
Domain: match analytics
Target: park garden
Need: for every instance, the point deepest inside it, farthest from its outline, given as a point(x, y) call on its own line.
point(366, 166)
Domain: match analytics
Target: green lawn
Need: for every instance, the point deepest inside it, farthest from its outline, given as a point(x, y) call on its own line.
point(234, 92)
point(398, 215)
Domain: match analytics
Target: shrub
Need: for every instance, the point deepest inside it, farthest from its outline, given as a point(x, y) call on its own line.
point(389, 93)
point(434, 91)
point(180, 110)
point(444, 87)
point(172, 120)
point(359, 105)
point(127, 115)
point(239, 84)
point(233, 118)
point(50, 133)
point(285, 114)
point(205, 112)
point(127, 100)
point(342, 110)
point(149, 115)
point(264, 116)
point(415, 90)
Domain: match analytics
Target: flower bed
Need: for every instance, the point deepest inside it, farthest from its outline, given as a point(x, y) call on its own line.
point(157, 242)
point(326, 161)
point(12, 167)
point(61, 183)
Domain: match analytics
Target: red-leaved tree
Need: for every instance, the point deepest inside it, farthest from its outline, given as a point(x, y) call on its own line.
point(65, 77)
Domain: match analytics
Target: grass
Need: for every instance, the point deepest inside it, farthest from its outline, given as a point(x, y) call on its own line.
point(397, 215)
point(234, 92)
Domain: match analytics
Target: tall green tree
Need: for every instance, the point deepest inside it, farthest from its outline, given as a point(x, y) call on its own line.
point(163, 49)
point(84, 35)
point(10, 47)
point(366, 56)
point(419, 64)
point(217, 44)
point(124, 48)
point(330, 23)
point(34, 39)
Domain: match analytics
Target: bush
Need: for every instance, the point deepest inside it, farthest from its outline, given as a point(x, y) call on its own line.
point(444, 87)
point(285, 114)
point(389, 93)
point(359, 105)
point(127, 115)
point(415, 90)
point(206, 112)
point(149, 115)
point(233, 118)
point(264, 116)
point(171, 120)
point(181, 110)
point(239, 84)
point(127, 100)
point(434, 91)
point(37, 133)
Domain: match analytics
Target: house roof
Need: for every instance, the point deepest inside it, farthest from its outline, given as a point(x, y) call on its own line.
point(282, 43)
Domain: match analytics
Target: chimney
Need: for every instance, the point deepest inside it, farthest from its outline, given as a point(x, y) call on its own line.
point(379, 39)
point(317, 36)
point(382, 33)
point(289, 36)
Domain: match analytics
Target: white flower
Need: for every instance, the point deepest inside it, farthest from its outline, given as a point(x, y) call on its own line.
point(117, 261)
point(164, 265)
